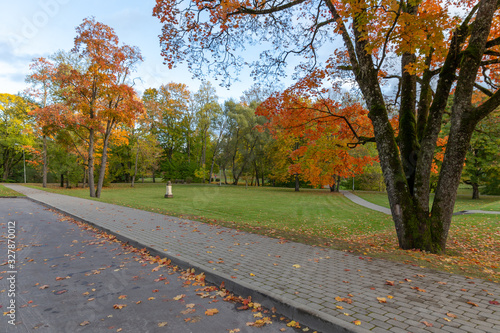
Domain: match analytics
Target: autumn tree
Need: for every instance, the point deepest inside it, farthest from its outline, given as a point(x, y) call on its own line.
point(41, 78)
point(97, 91)
point(318, 131)
point(425, 47)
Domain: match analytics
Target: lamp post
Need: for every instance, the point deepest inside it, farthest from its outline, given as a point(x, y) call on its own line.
point(24, 160)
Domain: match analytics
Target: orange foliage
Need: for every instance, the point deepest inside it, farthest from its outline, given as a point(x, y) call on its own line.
point(316, 132)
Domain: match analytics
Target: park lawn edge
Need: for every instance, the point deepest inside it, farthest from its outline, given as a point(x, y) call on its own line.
point(9, 193)
point(387, 249)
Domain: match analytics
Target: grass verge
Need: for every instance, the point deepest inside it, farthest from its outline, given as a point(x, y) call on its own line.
point(7, 192)
point(320, 218)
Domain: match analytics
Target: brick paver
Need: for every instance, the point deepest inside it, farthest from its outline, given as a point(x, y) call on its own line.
point(312, 285)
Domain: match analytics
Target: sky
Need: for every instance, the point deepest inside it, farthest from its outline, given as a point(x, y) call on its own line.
point(38, 28)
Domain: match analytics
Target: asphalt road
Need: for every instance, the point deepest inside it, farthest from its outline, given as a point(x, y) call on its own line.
point(69, 278)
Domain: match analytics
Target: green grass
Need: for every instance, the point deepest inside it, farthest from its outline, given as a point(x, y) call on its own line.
point(322, 218)
point(7, 192)
point(309, 212)
point(463, 202)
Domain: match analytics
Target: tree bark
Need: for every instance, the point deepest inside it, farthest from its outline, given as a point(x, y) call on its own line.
point(45, 167)
point(104, 159)
point(91, 163)
point(475, 191)
point(135, 167)
point(297, 183)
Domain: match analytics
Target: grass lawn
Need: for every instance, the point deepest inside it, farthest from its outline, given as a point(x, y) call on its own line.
point(7, 192)
point(322, 218)
point(463, 202)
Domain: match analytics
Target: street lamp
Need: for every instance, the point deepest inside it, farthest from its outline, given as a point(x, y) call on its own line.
point(24, 161)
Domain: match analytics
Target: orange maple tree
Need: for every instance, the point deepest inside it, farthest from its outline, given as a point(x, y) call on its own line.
point(96, 91)
point(316, 133)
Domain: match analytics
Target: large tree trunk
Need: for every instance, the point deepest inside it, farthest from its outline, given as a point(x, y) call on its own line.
point(408, 178)
point(45, 168)
point(297, 183)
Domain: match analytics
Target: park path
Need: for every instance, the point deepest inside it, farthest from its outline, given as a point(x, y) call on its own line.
point(325, 289)
point(362, 202)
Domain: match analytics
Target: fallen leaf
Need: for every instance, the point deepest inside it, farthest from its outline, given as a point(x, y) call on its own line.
point(45, 286)
point(472, 303)
point(357, 322)
point(494, 302)
point(119, 306)
point(162, 324)
point(381, 300)
point(86, 322)
point(122, 297)
point(427, 324)
point(151, 298)
point(178, 297)
point(211, 312)
point(296, 266)
point(451, 315)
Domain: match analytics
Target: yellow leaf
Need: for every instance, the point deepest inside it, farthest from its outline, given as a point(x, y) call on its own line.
point(340, 307)
point(162, 324)
point(178, 297)
point(357, 322)
point(381, 300)
point(119, 306)
point(211, 312)
point(296, 266)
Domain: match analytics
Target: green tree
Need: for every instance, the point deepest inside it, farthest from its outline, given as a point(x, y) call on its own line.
point(16, 132)
point(482, 166)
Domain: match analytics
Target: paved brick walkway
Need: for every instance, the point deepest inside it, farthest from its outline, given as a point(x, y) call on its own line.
point(325, 289)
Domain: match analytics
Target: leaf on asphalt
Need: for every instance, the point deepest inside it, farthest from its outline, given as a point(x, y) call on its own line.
point(188, 311)
point(84, 323)
point(45, 286)
point(178, 297)
point(122, 297)
point(472, 303)
point(119, 306)
point(293, 323)
point(60, 292)
point(381, 300)
point(389, 283)
point(236, 330)
point(151, 298)
point(427, 323)
point(162, 324)
point(211, 312)
point(296, 266)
